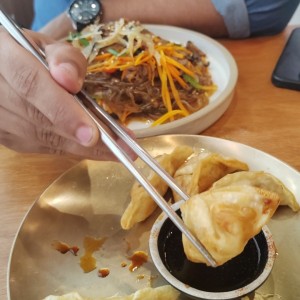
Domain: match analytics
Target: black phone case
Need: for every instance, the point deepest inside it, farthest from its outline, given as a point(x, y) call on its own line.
point(287, 71)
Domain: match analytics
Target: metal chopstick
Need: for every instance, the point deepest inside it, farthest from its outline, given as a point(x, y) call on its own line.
point(97, 113)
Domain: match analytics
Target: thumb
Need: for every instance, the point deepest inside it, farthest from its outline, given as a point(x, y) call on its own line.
point(67, 65)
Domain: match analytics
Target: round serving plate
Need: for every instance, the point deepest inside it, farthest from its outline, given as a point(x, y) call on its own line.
point(224, 73)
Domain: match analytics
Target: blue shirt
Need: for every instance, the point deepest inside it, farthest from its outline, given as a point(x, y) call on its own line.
point(47, 10)
point(255, 17)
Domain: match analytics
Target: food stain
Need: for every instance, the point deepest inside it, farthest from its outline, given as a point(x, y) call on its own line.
point(88, 262)
point(64, 248)
point(103, 272)
point(137, 259)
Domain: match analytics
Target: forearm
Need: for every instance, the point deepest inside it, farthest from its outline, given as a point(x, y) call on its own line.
point(59, 27)
point(193, 14)
point(198, 15)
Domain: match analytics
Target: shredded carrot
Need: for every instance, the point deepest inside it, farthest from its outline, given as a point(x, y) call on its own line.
point(167, 116)
point(175, 91)
point(143, 59)
point(176, 74)
point(153, 67)
point(165, 92)
point(103, 56)
point(209, 88)
point(140, 57)
point(179, 66)
point(172, 47)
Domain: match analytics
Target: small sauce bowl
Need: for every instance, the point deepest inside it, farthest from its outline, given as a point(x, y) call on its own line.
point(236, 278)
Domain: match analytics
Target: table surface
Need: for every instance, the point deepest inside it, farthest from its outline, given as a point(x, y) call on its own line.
point(260, 115)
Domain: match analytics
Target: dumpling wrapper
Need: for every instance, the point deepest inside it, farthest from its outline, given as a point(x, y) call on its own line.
point(199, 172)
point(69, 296)
point(225, 219)
point(165, 292)
point(262, 180)
point(141, 204)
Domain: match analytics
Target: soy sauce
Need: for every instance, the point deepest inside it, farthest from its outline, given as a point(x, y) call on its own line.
point(232, 275)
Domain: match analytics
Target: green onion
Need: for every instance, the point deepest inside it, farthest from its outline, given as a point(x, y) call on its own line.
point(84, 42)
point(113, 52)
point(192, 81)
point(72, 36)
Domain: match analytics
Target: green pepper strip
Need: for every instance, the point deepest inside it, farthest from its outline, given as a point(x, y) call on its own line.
point(189, 79)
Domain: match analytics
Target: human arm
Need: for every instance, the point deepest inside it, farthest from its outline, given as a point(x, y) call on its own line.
point(199, 15)
point(37, 109)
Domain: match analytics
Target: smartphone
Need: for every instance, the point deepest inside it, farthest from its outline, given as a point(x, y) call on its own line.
point(287, 70)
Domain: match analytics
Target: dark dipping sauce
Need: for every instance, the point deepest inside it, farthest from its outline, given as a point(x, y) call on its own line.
point(232, 275)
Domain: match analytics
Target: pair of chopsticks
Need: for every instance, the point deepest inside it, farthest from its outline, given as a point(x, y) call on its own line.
point(96, 113)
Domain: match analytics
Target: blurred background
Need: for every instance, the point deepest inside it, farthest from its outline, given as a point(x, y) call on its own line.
point(296, 17)
point(22, 12)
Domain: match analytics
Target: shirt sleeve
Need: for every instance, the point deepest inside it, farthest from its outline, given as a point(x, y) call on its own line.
point(235, 15)
point(46, 11)
point(268, 16)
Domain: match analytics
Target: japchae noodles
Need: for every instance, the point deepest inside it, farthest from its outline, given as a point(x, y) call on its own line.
point(133, 73)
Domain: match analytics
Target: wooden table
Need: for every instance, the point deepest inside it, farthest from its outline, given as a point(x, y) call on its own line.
point(260, 115)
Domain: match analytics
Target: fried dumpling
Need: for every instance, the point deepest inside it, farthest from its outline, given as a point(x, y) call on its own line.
point(165, 292)
point(141, 204)
point(225, 219)
point(200, 171)
point(262, 180)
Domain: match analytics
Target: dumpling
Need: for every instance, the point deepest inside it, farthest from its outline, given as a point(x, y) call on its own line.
point(199, 172)
point(165, 292)
point(262, 180)
point(225, 219)
point(141, 204)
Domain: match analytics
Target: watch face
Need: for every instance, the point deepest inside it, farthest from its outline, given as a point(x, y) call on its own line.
point(84, 11)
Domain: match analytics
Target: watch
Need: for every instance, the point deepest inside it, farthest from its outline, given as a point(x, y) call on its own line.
point(84, 13)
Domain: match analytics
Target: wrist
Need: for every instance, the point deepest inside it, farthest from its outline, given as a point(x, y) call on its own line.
point(85, 12)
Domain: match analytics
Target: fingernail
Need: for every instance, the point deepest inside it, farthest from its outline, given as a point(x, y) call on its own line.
point(84, 134)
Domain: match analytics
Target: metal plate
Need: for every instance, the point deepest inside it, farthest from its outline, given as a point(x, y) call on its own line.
point(89, 200)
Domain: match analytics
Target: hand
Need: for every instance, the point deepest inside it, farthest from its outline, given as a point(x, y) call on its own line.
point(37, 110)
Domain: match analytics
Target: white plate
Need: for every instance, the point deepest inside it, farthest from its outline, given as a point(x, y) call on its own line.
point(89, 200)
point(224, 73)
